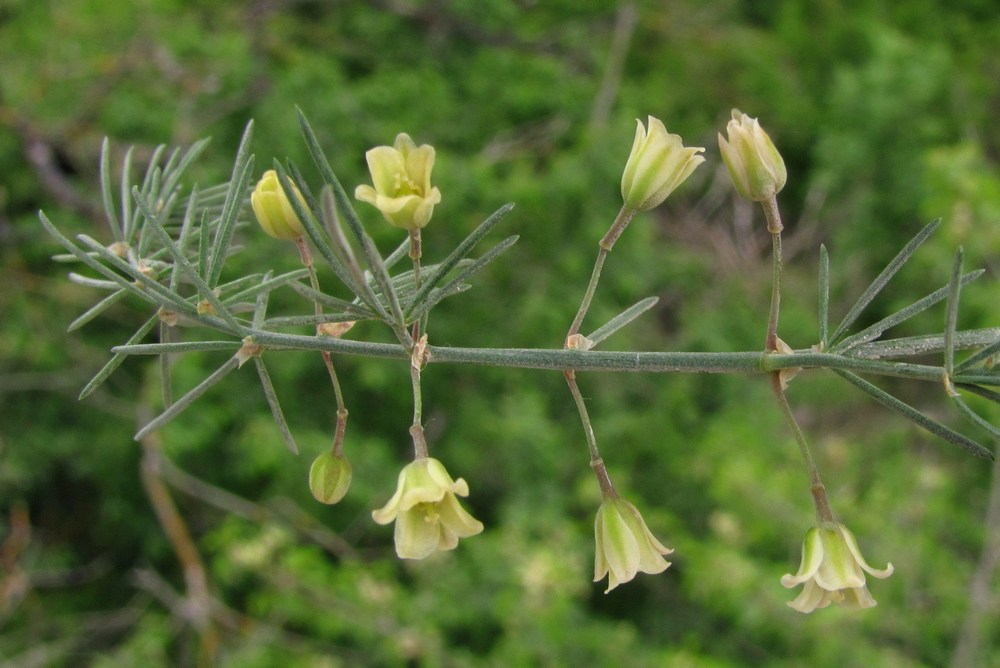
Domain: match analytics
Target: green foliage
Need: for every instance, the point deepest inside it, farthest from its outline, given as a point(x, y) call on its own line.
point(885, 117)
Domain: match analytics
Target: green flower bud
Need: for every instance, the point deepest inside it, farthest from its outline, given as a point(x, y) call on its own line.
point(658, 163)
point(329, 477)
point(273, 210)
point(832, 570)
point(756, 167)
point(401, 175)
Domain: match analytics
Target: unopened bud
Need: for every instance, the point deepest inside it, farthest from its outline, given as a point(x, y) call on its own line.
point(329, 477)
point(756, 167)
point(273, 209)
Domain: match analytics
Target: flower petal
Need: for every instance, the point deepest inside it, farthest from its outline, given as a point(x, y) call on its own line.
point(416, 535)
point(386, 164)
point(839, 569)
point(812, 557)
point(455, 518)
point(852, 545)
point(810, 598)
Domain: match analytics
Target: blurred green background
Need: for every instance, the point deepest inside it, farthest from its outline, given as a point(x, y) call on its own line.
point(885, 115)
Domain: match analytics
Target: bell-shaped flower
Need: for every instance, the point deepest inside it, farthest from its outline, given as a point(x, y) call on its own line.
point(273, 210)
point(625, 545)
point(401, 176)
point(658, 163)
point(756, 167)
point(428, 516)
point(832, 570)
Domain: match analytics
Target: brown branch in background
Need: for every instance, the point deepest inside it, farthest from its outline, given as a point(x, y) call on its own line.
point(53, 170)
point(284, 509)
point(15, 584)
point(982, 599)
point(234, 621)
point(625, 22)
point(197, 608)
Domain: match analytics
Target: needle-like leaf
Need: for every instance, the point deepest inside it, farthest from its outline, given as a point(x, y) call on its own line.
point(915, 416)
point(622, 319)
point(882, 279)
point(824, 296)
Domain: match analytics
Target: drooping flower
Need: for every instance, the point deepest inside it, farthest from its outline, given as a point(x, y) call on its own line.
point(658, 163)
point(832, 570)
point(273, 209)
point(401, 176)
point(428, 516)
point(756, 167)
point(625, 546)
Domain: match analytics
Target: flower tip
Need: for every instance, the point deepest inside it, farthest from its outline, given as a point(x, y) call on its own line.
point(657, 164)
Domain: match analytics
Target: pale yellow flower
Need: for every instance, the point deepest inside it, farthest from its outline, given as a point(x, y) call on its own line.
point(428, 516)
point(625, 546)
point(832, 570)
point(658, 163)
point(756, 167)
point(273, 209)
point(401, 176)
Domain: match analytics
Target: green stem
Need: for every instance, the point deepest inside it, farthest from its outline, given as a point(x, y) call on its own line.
point(338, 434)
point(581, 408)
point(588, 296)
point(774, 227)
point(596, 463)
point(771, 342)
point(822, 503)
point(415, 253)
point(417, 429)
point(624, 217)
point(579, 360)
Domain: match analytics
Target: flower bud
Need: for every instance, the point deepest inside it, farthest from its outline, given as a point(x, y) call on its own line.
point(658, 163)
point(401, 176)
point(756, 167)
point(329, 477)
point(273, 209)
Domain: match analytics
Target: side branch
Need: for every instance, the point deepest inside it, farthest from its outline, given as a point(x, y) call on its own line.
point(592, 360)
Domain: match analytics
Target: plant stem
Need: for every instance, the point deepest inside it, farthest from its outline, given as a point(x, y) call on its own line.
point(417, 429)
point(588, 296)
point(581, 407)
point(415, 253)
point(822, 503)
point(338, 434)
point(596, 463)
point(624, 217)
point(417, 360)
point(198, 601)
point(591, 360)
point(774, 226)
